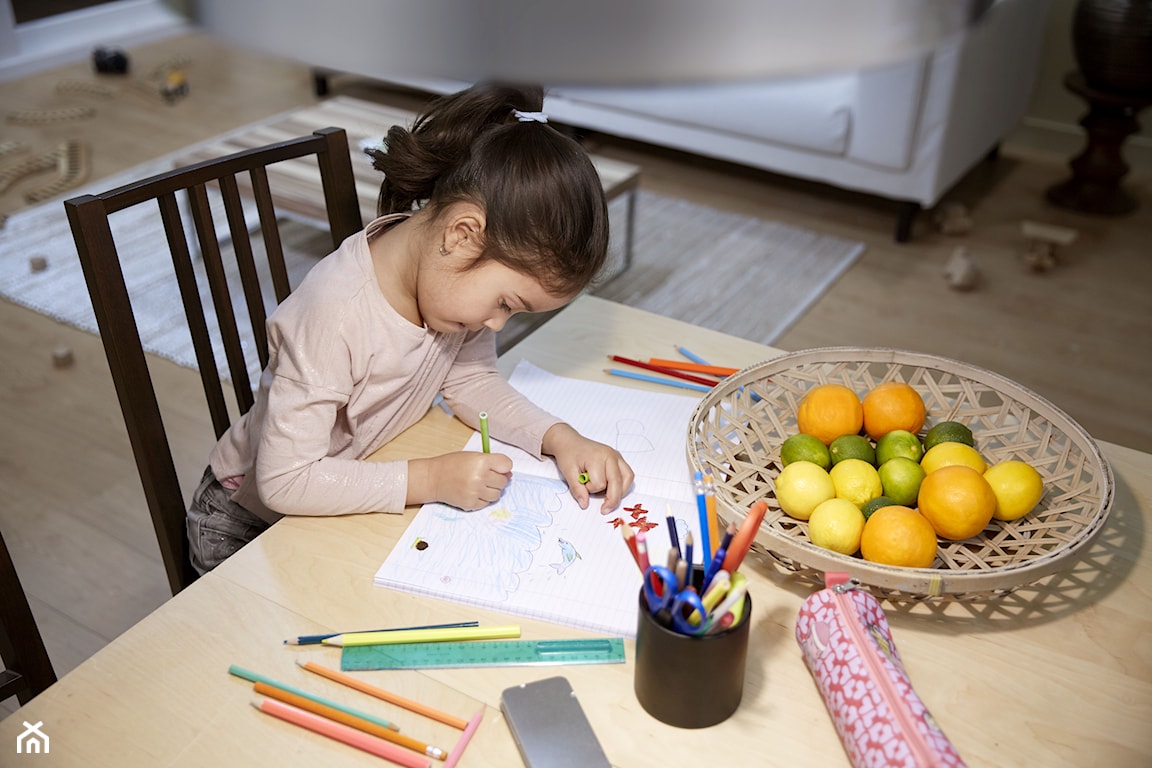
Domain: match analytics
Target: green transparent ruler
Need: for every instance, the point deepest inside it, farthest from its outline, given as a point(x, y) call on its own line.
point(483, 653)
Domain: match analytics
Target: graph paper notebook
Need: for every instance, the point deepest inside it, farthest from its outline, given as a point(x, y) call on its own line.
point(535, 553)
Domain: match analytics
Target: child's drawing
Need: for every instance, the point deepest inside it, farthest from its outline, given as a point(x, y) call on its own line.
point(630, 437)
point(482, 554)
point(568, 555)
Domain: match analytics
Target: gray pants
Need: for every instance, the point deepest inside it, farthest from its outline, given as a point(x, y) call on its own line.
point(218, 526)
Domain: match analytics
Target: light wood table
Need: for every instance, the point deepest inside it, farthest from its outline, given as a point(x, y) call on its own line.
point(1054, 675)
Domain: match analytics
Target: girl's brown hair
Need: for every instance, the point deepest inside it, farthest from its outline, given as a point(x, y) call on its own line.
point(542, 198)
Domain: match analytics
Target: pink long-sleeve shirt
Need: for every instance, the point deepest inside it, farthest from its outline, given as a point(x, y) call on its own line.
point(346, 374)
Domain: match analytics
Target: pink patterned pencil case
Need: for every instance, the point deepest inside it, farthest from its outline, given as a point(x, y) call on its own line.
point(847, 644)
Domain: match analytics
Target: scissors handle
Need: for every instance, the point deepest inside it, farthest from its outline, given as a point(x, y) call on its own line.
point(672, 606)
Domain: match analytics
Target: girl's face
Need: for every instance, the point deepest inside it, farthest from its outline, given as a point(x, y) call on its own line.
point(451, 300)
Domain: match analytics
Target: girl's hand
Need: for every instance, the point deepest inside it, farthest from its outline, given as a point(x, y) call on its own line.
point(606, 469)
point(465, 479)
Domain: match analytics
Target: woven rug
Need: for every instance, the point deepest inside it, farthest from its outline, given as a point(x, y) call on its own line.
point(742, 275)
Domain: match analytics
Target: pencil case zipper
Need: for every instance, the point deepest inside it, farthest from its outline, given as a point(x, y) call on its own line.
point(869, 647)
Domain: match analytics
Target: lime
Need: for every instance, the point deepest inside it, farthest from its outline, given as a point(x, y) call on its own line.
point(801, 486)
point(801, 447)
point(948, 432)
point(898, 442)
point(901, 478)
point(872, 505)
point(948, 454)
point(856, 480)
point(852, 447)
point(836, 524)
point(1018, 488)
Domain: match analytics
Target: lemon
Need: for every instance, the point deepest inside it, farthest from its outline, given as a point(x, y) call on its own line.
point(872, 505)
point(948, 454)
point(901, 478)
point(856, 480)
point(898, 442)
point(801, 486)
point(801, 447)
point(852, 447)
point(948, 432)
point(1018, 488)
point(836, 524)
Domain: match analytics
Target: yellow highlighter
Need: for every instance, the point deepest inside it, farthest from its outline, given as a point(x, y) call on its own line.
point(452, 634)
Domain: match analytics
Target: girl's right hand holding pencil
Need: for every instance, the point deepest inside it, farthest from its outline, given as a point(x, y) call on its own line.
point(465, 479)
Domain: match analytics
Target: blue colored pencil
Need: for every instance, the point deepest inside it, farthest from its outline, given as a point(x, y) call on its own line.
point(702, 509)
point(673, 534)
point(657, 380)
point(694, 358)
point(318, 639)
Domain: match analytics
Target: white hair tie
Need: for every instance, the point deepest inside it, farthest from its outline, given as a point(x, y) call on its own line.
point(530, 117)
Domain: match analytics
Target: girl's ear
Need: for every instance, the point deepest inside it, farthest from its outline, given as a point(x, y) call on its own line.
point(465, 227)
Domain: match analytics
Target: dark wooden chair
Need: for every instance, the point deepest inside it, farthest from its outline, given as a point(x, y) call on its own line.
point(27, 670)
point(88, 216)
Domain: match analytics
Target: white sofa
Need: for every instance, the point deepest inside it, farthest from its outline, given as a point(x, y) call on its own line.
point(906, 131)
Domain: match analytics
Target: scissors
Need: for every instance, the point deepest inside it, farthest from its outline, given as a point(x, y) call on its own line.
point(672, 605)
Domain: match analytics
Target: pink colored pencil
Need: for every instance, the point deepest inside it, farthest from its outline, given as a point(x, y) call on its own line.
point(343, 734)
point(458, 750)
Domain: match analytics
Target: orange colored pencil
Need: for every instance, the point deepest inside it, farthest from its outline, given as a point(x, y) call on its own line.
point(742, 541)
point(351, 721)
point(342, 733)
point(680, 365)
point(383, 695)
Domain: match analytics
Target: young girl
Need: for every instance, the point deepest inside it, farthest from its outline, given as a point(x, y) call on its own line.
point(486, 211)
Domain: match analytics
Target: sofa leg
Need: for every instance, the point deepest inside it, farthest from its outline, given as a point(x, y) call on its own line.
point(905, 217)
point(320, 81)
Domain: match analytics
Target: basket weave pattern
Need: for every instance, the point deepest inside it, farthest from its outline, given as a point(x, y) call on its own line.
point(737, 429)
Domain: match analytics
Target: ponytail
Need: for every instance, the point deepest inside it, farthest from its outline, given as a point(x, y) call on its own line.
point(489, 145)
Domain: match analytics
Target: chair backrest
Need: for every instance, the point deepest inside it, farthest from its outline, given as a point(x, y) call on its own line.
point(88, 216)
point(26, 670)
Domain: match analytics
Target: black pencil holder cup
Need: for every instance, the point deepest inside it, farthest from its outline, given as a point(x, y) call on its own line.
point(690, 681)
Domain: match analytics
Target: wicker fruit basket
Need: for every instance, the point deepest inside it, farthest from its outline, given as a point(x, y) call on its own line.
point(737, 429)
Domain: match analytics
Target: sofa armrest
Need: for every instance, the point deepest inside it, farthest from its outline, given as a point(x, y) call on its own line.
point(886, 114)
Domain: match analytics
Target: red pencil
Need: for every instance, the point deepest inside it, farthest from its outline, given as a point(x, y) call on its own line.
point(742, 541)
point(665, 371)
point(630, 540)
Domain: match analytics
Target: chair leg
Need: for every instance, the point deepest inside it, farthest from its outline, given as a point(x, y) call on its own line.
point(21, 646)
point(905, 217)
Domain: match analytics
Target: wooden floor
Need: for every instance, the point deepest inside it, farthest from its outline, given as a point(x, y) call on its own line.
point(72, 510)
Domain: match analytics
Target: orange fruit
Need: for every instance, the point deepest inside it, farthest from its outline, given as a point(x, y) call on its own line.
point(897, 535)
point(892, 405)
point(828, 411)
point(957, 501)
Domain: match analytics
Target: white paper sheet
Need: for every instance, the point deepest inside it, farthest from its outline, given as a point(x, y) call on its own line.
point(535, 552)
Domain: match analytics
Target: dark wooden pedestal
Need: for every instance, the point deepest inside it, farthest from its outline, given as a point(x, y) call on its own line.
point(1098, 170)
